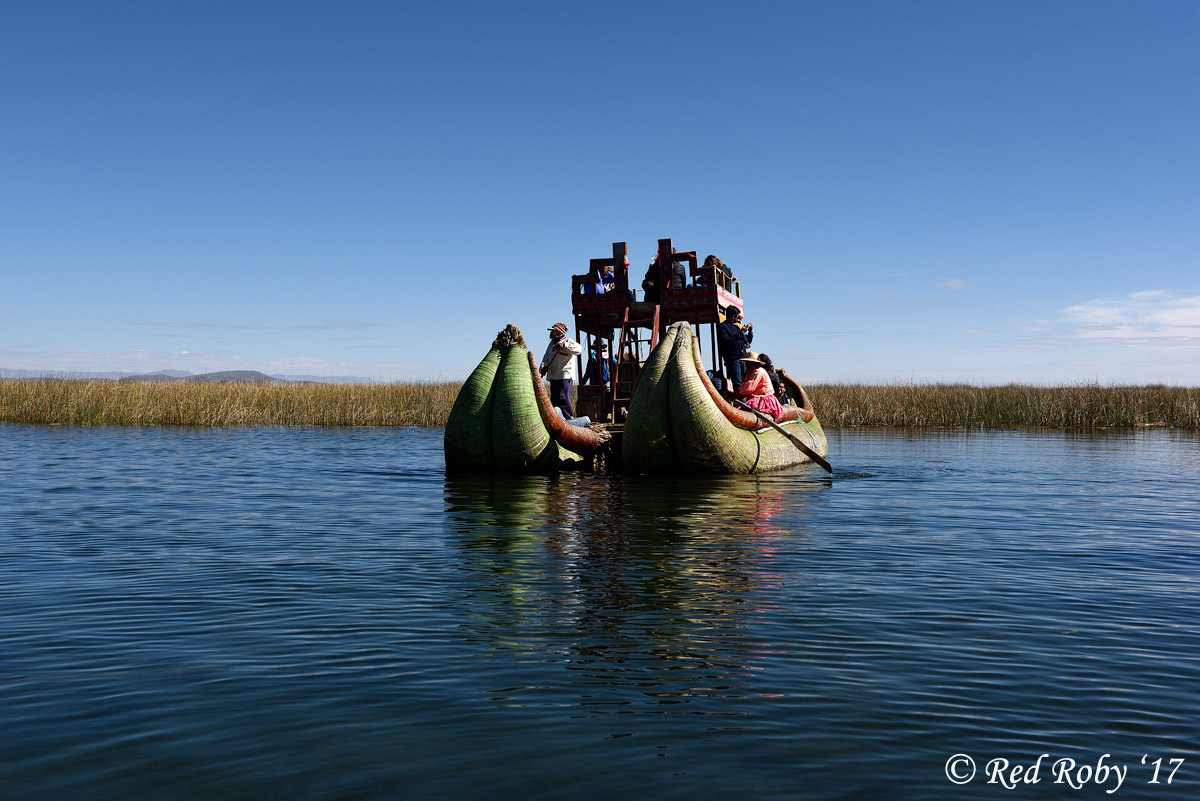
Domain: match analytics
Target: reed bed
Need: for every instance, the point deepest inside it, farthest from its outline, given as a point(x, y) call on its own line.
point(75, 402)
point(80, 402)
point(965, 406)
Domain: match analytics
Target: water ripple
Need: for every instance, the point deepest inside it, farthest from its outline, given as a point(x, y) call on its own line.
point(303, 613)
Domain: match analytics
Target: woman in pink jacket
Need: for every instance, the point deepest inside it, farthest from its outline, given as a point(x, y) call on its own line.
point(756, 389)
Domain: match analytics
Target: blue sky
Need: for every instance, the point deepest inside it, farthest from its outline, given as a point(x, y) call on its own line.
point(945, 191)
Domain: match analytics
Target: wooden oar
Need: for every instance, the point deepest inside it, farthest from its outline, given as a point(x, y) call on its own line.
point(807, 451)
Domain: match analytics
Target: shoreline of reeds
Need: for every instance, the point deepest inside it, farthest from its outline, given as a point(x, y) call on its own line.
point(84, 402)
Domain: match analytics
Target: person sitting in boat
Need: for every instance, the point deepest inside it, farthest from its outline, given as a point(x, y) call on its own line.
point(733, 342)
point(608, 281)
point(776, 381)
point(558, 365)
point(582, 422)
point(650, 284)
point(756, 389)
point(605, 282)
point(781, 392)
point(720, 273)
point(594, 286)
point(600, 365)
point(678, 274)
point(675, 277)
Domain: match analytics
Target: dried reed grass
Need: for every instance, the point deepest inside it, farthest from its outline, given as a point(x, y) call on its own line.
point(64, 401)
point(965, 406)
point(79, 402)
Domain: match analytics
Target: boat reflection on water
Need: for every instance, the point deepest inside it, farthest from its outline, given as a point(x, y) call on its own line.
point(650, 591)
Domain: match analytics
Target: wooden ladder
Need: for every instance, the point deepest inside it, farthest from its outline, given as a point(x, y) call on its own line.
point(635, 323)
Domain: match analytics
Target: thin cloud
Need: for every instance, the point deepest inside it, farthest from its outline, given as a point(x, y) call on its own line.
point(1140, 315)
point(327, 325)
point(132, 361)
point(955, 283)
point(879, 304)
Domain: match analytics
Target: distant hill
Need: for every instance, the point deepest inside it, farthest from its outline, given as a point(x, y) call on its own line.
point(237, 377)
point(160, 377)
point(233, 376)
point(167, 376)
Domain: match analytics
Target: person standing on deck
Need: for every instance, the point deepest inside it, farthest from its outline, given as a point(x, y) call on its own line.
point(559, 366)
point(733, 343)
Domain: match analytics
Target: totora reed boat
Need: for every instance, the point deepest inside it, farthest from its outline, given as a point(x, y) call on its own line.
point(503, 420)
point(679, 421)
point(656, 409)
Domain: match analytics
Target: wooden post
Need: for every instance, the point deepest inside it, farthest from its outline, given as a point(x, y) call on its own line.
point(664, 264)
point(716, 358)
point(578, 360)
point(620, 269)
point(664, 278)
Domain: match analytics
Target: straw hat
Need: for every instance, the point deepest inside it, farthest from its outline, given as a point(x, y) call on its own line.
point(750, 357)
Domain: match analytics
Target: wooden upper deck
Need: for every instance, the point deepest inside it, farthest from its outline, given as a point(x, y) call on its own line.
point(704, 299)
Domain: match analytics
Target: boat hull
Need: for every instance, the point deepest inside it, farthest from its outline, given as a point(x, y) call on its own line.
point(674, 422)
point(502, 419)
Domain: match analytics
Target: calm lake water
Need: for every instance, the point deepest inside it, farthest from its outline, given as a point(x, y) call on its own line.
point(325, 614)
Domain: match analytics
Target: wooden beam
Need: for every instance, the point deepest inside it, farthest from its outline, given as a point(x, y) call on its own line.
point(620, 268)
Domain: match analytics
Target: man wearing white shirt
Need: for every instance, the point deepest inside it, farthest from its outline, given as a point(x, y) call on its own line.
point(559, 366)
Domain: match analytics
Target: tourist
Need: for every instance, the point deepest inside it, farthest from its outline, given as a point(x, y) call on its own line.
point(678, 270)
point(776, 381)
point(650, 291)
point(721, 274)
point(583, 421)
point(733, 343)
point(675, 277)
point(594, 286)
point(599, 367)
point(558, 365)
point(608, 281)
point(756, 387)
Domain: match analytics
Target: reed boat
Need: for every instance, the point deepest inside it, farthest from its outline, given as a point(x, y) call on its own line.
point(678, 421)
point(658, 411)
point(503, 420)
